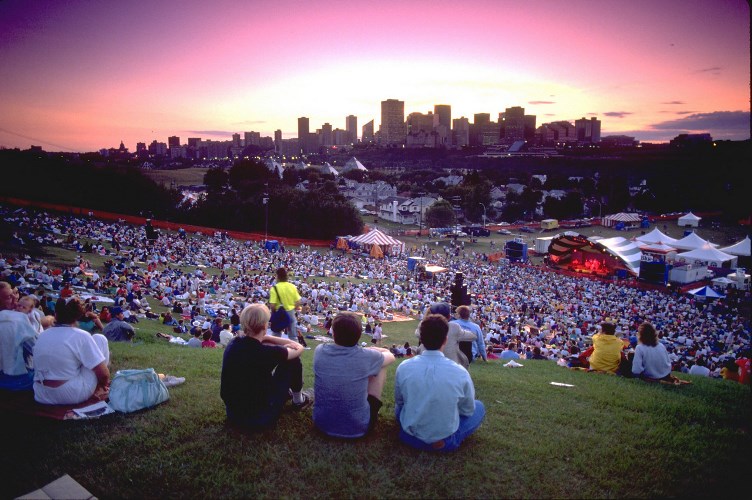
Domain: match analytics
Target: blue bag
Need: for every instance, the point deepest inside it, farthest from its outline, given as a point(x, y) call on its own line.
point(133, 390)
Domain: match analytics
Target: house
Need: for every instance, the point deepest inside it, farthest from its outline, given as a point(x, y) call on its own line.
point(451, 180)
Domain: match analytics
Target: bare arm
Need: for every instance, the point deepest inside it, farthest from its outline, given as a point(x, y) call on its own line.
point(294, 350)
point(388, 356)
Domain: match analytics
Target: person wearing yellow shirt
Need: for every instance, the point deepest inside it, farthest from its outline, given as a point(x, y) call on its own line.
point(607, 349)
point(284, 294)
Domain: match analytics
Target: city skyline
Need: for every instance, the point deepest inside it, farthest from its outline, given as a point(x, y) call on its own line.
point(83, 75)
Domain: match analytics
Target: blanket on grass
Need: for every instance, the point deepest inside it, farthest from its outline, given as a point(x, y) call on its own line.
point(23, 403)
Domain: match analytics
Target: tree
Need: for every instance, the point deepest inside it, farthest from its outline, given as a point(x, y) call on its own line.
point(440, 214)
point(216, 179)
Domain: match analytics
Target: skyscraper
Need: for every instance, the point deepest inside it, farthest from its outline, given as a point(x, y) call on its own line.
point(173, 141)
point(442, 123)
point(514, 124)
point(278, 140)
point(326, 135)
point(367, 133)
point(304, 136)
point(392, 128)
point(351, 126)
point(588, 131)
point(461, 132)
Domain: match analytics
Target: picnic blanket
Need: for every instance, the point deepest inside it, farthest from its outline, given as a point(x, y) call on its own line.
point(23, 403)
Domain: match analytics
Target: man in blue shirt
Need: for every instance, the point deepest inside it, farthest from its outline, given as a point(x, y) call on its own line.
point(479, 345)
point(434, 397)
point(510, 352)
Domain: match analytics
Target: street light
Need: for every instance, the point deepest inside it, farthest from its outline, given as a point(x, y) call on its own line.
point(265, 201)
point(484, 214)
point(420, 218)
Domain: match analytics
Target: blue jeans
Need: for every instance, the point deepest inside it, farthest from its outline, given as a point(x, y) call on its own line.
point(468, 425)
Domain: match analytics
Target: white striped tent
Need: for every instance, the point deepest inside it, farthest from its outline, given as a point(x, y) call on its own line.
point(626, 253)
point(388, 244)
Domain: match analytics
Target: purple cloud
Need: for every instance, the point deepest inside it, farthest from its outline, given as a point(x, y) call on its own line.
point(541, 102)
point(617, 114)
point(736, 121)
point(226, 133)
point(714, 70)
point(673, 102)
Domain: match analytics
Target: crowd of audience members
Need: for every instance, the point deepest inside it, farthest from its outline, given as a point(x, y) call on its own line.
point(524, 312)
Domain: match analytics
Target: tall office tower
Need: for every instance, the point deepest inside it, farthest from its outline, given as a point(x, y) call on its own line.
point(326, 135)
point(513, 126)
point(340, 137)
point(461, 132)
point(588, 130)
point(351, 126)
point(252, 139)
point(442, 123)
point(304, 136)
point(173, 141)
point(278, 141)
point(392, 129)
point(418, 121)
point(366, 135)
point(236, 140)
point(480, 121)
point(529, 132)
point(193, 142)
point(140, 146)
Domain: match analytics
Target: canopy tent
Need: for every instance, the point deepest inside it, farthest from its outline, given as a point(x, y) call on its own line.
point(414, 262)
point(435, 269)
point(740, 249)
point(707, 255)
point(657, 248)
point(598, 256)
point(656, 236)
point(706, 291)
point(272, 246)
point(723, 282)
point(692, 241)
point(375, 237)
point(625, 218)
point(690, 220)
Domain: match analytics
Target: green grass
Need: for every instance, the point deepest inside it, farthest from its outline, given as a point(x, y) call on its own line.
point(604, 437)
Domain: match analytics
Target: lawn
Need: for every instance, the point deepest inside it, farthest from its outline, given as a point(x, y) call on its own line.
point(604, 437)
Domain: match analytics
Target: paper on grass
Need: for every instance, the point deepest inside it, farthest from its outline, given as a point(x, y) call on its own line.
point(513, 364)
point(561, 384)
point(94, 411)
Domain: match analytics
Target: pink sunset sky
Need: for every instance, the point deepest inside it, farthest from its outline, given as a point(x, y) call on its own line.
point(85, 74)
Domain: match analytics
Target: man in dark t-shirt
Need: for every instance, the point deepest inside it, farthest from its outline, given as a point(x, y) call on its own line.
point(260, 372)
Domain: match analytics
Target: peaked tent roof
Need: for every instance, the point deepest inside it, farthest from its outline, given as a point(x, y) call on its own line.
point(627, 252)
point(657, 247)
point(624, 217)
point(692, 241)
point(689, 218)
point(706, 291)
point(354, 164)
point(706, 253)
point(376, 237)
point(741, 248)
point(328, 169)
point(656, 236)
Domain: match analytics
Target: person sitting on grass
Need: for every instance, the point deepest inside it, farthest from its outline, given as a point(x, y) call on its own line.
point(259, 372)
point(70, 364)
point(196, 340)
point(607, 348)
point(118, 330)
point(434, 398)
point(208, 343)
point(348, 381)
point(651, 359)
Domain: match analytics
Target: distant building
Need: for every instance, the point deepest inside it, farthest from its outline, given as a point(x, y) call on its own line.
point(193, 142)
point(422, 139)
point(442, 123)
point(278, 141)
point(367, 133)
point(691, 140)
point(392, 130)
point(351, 127)
point(326, 135)
point(252, 139)
point(308, 142)
point(236, 141)
point(588, 131)
point(618, 141)
point(553, 133)
point(289, 147)
point(157, 149)
point(417, 122)
point(173, 141)
point(461, 132)
point(340, 137)
point(513, 124)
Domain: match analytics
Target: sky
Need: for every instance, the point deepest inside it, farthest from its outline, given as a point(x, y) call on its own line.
point(80, 75)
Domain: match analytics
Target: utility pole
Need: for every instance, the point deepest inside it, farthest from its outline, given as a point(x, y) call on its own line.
point(484, 214)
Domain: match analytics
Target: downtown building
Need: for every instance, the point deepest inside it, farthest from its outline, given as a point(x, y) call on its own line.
point(392, 131)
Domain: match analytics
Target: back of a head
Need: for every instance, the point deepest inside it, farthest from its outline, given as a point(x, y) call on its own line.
point(463, 312)
point(608, 327)
point(441, 308)
point(281, 274)
point(433, 331)
point(254, 318)
point(647, 335)
point(346, 328)
point(69, 310)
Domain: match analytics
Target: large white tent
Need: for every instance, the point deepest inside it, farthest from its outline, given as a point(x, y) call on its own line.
point(689, 220)
point(740, 249)
point(707, 255)
point(376, 237)
point(626, 218)
point(692, 241)
point(353, 164)
point(656, 236)
point(328, 169)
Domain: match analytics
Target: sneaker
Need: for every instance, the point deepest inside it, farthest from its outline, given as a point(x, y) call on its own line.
point(307, 401)
point(171, 381)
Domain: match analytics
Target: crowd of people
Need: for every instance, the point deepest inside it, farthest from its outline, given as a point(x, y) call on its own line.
point(537, 311)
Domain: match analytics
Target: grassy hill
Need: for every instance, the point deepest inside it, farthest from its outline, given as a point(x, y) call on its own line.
point(604, 437)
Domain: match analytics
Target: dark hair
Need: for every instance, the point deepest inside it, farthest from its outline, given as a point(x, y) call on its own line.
point(608, 328)
point(442, 308)
point(536, 351)
point(433, 331)
point(68, 311)
point(346, 328)
point(281, 274)
point(207, 334)
point(647, 334)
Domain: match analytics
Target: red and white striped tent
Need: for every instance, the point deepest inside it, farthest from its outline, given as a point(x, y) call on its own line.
point(387, 244)
point(627, 219)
